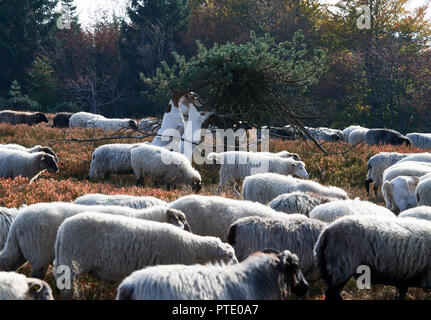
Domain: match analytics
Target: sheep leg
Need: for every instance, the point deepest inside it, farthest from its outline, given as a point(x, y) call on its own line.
point(235, 191)
point(402, 291)
point(375, 188)
point(333, 292)
point(140, 182)
point(168, 186)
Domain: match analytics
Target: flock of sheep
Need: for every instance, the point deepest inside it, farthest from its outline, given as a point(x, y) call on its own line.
point(285, 233)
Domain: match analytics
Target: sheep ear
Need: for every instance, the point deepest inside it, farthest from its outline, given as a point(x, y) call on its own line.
point(34, 287)
point(173, 219)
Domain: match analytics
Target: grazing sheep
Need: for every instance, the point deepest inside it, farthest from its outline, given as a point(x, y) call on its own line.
point(61, 120)
point(112, 247)
point(263, 276)
point(111, 159)
point(212, 216)
point(160, 164)
point(34, 149)
point(282, 154)
point(423, 192)
point(399, 193)
point(236, 165)
point(419, 157)
point(119, 200)
point(331, 211)
point(357, 136)
point(295, 233)
point(396, 250)
point(348, 130)
point(110, 124)
point(16, 117)
point(421, 212)
point(15, 163)
point(80, 119)
point(420, 140)
point(326, 134)
point(14, 286)
point(148, 125)
point(385, 136)
point(6, 218)
point(408, 168)
point(32, 234)
point(379, 163)
point(298, 202)
point(267, 186)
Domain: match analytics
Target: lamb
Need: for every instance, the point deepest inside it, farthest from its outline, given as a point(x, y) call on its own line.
point(386, 136)
point(61, 120)
point(379, 163)
point(419, 157)
point(119, 200)
point(399, 193)
point(111, 159)
point(267, 186)
point(15, 163)
point(298, 202)
point(396, 250)
point(423, 192)
point(110, 124)
point(263, 276)
point(331, 211)
point(236, 165)
point(121, 245)
point(295, 233)
point(6, 218)
point(14, 286)
point(421, 212)
point(34, 149)
point(357, 136)
point(32, 234)
point(408, 168)
point(80, 119)
point(420, 140)
point(28, 118)
point(157, 163)
point(212, 215)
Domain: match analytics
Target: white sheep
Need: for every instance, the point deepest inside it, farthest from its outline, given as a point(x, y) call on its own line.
point(420, 140)
point(408, 168)
point(111, 159)
point(32, 234)
point(423, 192)
point(331, 211)
point(34, 149)
point(348, 130)
point(396, 251)
point(357, 136)
point(399, 193)
point(6, 217)
point(212, 215)
point(119, 200)
point(379, 163)
point(263, 276)
point(80, 119)
point(14, 286)
point(421, 212)
point(298, 202)
point(112, 124)
point(236, 165)
point(160, 164)
point(295, 233)
point(15, 163)
point(267, 186)
point(112, 247)
point(419, 157)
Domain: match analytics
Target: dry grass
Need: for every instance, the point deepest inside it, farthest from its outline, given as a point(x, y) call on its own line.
point(343, 169)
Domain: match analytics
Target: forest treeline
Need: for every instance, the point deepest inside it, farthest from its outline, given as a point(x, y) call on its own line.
point(376, 77)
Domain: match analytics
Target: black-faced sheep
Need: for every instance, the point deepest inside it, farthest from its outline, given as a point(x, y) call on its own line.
point(295, 233)
point(61, 120)
point(121, 245)
point(16, 117)
point(263, 276)
point(395, 250)
point(14, 286)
